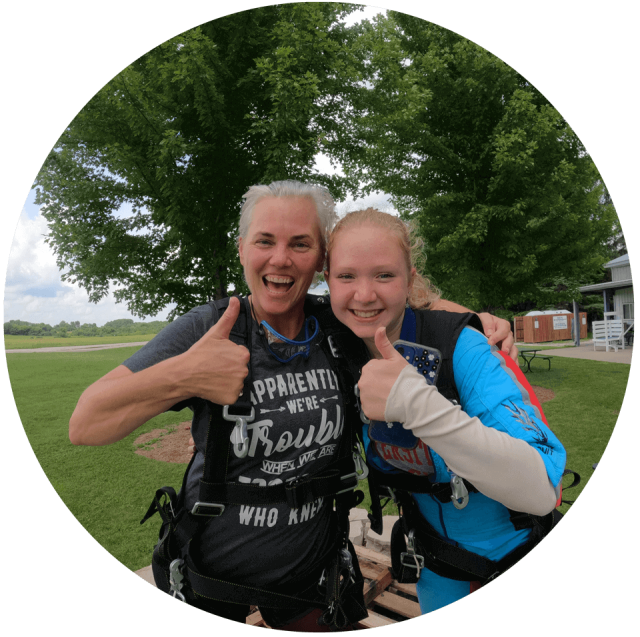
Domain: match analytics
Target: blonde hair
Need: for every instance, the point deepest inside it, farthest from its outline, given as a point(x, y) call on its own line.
point(423, 293)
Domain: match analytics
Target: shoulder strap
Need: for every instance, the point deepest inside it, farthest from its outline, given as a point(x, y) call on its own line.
point(218, 445)
point(214, 487)
point(441, 330)
point(346, 353)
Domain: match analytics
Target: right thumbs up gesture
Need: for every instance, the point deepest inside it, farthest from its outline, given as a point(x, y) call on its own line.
point(215, 365)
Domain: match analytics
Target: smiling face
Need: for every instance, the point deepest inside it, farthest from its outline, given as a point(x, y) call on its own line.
point(280, 254)
point(369, 281)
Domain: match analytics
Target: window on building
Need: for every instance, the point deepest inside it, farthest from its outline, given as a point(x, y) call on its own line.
point(627, 310)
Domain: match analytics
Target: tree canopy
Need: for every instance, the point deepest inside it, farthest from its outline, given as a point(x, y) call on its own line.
point(502, 191)
point(179, 136)
point(505, 196)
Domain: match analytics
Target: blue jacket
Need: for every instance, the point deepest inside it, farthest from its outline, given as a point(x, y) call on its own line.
point(491, 387)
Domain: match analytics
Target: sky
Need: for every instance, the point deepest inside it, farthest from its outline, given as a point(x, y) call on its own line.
point(34, 291)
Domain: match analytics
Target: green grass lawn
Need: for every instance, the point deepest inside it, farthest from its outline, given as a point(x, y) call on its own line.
point(109, 489)
point(33, 342)
point(588, 398)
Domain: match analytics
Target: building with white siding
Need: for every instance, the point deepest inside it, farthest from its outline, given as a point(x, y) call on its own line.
point(617, 293)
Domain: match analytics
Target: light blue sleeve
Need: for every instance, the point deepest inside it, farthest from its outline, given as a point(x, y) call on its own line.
point(493, 388)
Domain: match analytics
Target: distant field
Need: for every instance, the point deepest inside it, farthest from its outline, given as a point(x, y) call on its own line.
point(33, 342)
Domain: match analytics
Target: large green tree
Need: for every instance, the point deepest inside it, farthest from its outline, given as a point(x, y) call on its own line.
point(143, 188)
point(501, 189)
point(617, 245)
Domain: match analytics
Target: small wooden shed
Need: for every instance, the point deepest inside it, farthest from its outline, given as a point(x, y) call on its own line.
point(543, 328)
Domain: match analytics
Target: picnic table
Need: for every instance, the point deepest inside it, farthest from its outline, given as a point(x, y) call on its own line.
point(529, 354)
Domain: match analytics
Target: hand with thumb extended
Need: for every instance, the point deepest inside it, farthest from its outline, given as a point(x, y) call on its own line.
point(388, 351)
point(379, 376)
point(223, 327)
point(215, 368)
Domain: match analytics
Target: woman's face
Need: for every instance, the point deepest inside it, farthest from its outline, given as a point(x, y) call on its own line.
point(280, 254)
point(368, 281)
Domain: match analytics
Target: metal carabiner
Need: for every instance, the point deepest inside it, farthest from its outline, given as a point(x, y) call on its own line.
point(416, 560)
point(346, 561)
point(175, 579)
point(362, 470)
point(240, 433)
point(459, 493)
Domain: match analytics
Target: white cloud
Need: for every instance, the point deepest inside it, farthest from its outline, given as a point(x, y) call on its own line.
point(69, 304)
point(377, 200)
point(35, 293)
point(31, 261)
point(368, 13)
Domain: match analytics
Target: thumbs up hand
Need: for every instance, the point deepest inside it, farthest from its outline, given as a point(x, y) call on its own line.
point(378, 377)
point(215, 367)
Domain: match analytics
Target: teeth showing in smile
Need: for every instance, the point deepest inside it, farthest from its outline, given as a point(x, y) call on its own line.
point(278, 279)
point(361, 314)
point(278, 285)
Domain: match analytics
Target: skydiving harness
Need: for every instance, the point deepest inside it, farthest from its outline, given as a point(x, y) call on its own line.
point(319, 586)
point(424, 547)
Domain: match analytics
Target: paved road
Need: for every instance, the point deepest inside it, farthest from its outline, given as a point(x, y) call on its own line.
point(73, 348)
point(586, 352)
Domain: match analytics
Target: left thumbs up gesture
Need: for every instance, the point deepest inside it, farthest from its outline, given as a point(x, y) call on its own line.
point(378, 377)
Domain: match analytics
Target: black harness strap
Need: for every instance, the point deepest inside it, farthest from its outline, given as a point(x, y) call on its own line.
point(296, 594)
point(295, 493)
point(339, 480)
point(452, 561)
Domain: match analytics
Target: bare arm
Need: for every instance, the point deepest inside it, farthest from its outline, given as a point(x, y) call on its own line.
point(449, 306)
point(214, 368)
point(121, 401)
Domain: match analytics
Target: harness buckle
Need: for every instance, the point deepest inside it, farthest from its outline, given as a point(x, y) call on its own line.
point(208, 509)
point(240, 433)
point(356, 391)
point(410, 558)
point(459, 493)
point(491, 578)
point(294, 492)
point(349, 476)
point(332, 346)
point(176, 579)
point(322, 582)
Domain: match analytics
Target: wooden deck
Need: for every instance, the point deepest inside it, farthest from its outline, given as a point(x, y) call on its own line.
point(387, 601)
